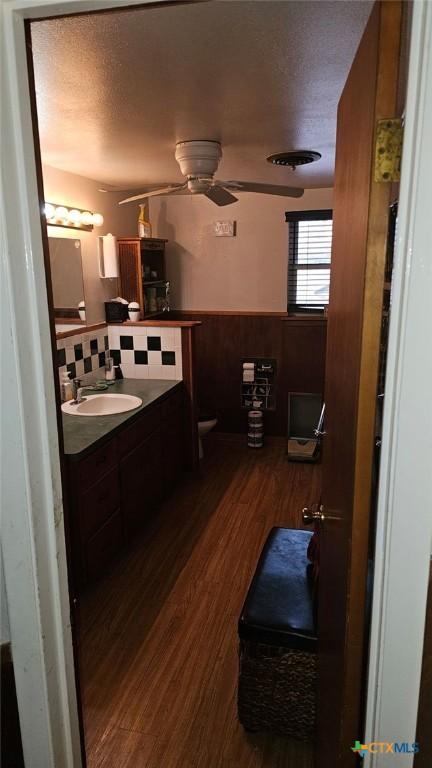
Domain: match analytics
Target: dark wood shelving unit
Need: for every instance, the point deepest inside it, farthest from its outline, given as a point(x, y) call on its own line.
point(138, 258)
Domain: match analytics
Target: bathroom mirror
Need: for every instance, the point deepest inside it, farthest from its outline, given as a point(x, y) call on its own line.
point(67, 283)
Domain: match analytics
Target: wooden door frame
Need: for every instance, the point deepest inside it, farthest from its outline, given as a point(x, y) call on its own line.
point(33, 525)
point(380, 198)
point(404, 519)
point(33, 534)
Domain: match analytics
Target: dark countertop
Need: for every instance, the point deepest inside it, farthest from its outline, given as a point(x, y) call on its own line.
point(82, 434)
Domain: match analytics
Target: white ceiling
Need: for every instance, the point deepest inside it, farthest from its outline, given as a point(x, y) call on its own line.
point(116, 91)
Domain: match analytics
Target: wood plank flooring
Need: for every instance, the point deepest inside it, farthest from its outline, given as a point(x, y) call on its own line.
point(158, 636)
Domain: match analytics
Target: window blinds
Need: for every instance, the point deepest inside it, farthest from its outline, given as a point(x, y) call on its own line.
point(309, 260)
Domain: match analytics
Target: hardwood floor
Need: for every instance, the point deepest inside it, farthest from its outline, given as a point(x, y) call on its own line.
point(158, 640)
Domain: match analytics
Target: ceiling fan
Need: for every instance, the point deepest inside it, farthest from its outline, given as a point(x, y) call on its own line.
point(198, 161)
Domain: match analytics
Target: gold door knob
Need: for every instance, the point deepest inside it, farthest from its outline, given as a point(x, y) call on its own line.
point(310, 515)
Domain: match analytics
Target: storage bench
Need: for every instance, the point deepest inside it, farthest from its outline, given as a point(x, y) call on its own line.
point(278, 641)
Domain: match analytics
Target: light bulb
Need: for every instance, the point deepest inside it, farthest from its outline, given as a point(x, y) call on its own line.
point(74, 217)
point(49, 211)
point(98, 219)
point(61, 213)
point(86, 219)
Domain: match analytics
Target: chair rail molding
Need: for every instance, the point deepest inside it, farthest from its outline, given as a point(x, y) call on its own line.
point(404, 520)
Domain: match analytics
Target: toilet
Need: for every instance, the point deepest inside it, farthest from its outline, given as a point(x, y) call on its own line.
point(206, 423)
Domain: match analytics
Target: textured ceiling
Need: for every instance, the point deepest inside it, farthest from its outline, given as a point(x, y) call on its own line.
point(116, 91)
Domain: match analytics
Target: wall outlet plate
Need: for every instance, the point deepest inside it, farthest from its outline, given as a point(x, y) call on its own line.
point(224, 228)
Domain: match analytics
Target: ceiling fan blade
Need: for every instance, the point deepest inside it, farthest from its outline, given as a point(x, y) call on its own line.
point(134, 188)
point(111, 188)
point(172, 189)
point(220, 196)
point(266, 189)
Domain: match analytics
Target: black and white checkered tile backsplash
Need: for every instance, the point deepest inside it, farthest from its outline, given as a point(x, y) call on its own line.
point(82, 357)
point(152, 355)
point(152, 352)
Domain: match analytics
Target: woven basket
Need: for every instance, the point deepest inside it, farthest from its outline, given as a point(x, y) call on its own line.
point(277, 690)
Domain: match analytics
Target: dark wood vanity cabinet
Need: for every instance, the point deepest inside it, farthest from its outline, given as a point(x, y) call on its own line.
point(141, 482)
point(172, 446)
point(115, 489)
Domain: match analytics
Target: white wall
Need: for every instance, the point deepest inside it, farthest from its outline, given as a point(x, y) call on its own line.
point(72, 190)
point(247, 272)
point(4, 614)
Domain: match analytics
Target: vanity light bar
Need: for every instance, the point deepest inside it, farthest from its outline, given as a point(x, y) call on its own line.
point(74, 218)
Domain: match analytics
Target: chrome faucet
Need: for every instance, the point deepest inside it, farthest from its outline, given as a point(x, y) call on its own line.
point(77, 391)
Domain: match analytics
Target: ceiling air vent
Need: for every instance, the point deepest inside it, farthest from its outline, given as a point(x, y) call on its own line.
point(294, 158)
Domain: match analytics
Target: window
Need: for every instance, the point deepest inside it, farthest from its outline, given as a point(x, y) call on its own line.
point(309, 260)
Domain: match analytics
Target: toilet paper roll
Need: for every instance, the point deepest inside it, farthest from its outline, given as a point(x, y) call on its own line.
point(248, 366)
point(248, 377)
point(255, 417)
point(108, 259)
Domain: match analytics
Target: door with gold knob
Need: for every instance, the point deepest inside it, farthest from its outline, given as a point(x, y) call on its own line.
point(360, 216)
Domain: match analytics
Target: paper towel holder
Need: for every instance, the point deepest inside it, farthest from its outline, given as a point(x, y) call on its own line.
point(108, 256)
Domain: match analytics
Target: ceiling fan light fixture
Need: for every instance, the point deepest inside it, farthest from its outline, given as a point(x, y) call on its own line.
point(294, 158)
point(198, 158)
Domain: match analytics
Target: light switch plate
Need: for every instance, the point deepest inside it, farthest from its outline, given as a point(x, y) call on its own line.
point(224, 228)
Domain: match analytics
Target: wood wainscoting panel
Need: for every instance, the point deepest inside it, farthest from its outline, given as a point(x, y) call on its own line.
point(190, 379)
point(222, 340)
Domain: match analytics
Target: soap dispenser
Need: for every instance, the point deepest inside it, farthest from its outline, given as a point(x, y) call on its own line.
point(109, 368)
point(66, 388)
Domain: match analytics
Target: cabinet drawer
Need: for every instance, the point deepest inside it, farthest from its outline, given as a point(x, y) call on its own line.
point(171, 404)
point(91, 469)
point(99, 503)
point(103, 546)
point(131, 437)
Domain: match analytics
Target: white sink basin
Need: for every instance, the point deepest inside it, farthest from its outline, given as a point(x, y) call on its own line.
point(102, 405)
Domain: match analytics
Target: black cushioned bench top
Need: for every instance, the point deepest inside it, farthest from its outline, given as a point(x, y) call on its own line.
point(279, 605)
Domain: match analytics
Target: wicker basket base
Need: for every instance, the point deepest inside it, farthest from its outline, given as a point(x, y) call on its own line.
point(277, 690)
